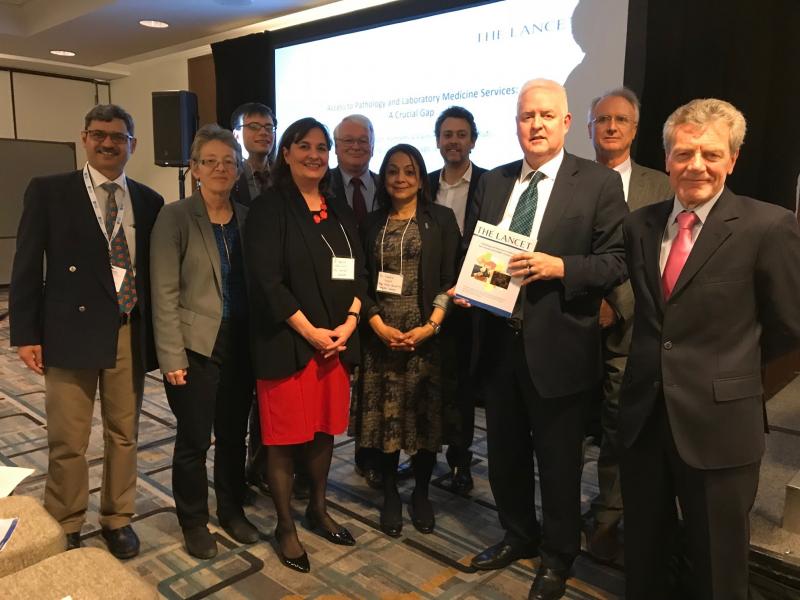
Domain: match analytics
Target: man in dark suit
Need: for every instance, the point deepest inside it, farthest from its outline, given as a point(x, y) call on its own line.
point(356, 186)
point(613, 121)
point(253, 125)
point(545, 362)
point(90, 321)
point(716, 278)
point(454, 186)
point(352, 181)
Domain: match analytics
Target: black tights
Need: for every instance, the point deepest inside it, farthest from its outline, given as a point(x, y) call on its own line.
point(280, 475)
point(422, 462)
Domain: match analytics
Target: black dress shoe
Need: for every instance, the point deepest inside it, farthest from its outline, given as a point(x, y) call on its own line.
point(122, 542)
point(199, 542)
point(461, 480)
point(548, 584)
point(73, 540)
point(299, 564)
point(342, 537)
point(423, 519)
point(241, 530)
point(373, 477)
point(501, 555)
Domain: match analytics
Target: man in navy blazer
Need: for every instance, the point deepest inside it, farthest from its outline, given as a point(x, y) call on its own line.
point(87, 321)
point(545, 361)
point(716, 277)
point(454, 186)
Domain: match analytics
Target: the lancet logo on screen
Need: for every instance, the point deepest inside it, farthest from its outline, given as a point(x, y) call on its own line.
point(515, 31)
point(403, 75)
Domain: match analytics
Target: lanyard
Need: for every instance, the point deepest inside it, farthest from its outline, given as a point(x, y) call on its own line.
point(402, 237)
point(101, 221)
point(347, 239)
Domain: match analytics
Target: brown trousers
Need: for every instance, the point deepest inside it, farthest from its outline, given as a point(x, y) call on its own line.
point(69, 402)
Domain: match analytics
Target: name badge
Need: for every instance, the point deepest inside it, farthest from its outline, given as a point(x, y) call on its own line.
point(343, 268)
point(119, 276)
point(390, 283)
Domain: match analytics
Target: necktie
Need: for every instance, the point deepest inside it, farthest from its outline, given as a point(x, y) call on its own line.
point(522, 221)
point(679, 252)
point(359, 204)
point(120, 256)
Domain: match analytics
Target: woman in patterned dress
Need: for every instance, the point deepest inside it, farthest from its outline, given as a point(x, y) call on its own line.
point(410, 246)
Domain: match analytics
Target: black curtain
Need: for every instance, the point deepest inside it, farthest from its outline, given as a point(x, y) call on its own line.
point(244, 69)
point(744, 51)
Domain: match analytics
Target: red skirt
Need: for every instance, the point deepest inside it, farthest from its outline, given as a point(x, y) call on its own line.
point(316, 399)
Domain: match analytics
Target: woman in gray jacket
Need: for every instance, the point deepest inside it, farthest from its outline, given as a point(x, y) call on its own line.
point(200, 324)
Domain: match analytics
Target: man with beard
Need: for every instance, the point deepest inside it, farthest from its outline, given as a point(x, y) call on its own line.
point(454, 186)
point(90, 322)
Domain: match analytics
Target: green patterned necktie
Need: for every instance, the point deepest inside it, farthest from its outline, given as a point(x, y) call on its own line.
point(522, 221)
point(120, 256)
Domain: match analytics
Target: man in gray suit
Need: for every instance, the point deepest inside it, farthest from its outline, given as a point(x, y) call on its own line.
point(613, 118)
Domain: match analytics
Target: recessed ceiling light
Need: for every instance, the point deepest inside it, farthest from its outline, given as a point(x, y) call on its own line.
point(62, 52)
point(154, 24)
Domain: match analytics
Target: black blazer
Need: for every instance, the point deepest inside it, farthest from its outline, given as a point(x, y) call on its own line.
point(337, 188)
point(75, 315)
point(477, 172)
point(580, 225)
point(288, 272)
point(733, 306)
point(440, 241)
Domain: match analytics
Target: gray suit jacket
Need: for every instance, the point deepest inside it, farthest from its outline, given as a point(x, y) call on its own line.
point(647, 186)
point(186, 281)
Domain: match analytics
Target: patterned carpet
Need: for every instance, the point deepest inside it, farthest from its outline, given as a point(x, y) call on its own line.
point(378, 567)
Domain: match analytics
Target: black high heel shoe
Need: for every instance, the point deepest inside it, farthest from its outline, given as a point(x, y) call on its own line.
point(342, 537)
point(299, 564)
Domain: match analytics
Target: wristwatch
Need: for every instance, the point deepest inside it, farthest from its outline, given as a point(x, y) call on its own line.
point(435, 325)
point(352, 313)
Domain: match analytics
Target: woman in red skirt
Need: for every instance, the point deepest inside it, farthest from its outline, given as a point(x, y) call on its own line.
point(307, 276)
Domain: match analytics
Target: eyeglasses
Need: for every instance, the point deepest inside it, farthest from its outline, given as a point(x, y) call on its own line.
point(621, 120)
point(256, 127)
point(98, 135)
point(349, 142)
point(213, 163)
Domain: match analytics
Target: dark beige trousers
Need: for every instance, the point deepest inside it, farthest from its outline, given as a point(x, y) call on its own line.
point(69, 402)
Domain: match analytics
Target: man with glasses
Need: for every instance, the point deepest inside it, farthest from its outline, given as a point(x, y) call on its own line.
point(90, 322)
point(352, 180)
point(253, 125)
point(613, 119)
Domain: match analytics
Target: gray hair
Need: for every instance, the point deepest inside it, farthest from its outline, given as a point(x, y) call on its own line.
point(211, 132)
point(547, 84)
point(107, 113)
point(701, 112)
point(620, 92)
point(358, 120)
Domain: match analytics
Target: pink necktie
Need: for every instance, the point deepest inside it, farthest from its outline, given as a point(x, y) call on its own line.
point(681, 246)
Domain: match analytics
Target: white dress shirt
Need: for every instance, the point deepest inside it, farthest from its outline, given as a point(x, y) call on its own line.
point(543, 188)
point(455, 196)
point(671, 230)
